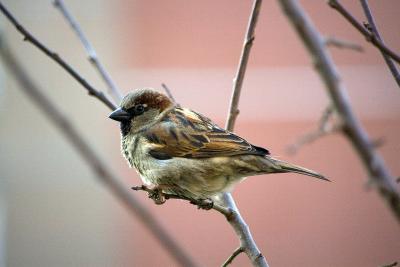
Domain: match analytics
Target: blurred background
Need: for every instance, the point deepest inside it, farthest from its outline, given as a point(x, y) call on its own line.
point(53, 212)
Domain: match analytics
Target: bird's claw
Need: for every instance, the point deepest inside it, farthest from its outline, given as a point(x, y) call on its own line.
point(157, 196)
point(205, 204)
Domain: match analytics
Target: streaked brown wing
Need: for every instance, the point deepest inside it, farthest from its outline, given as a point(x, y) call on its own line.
point(184, 133)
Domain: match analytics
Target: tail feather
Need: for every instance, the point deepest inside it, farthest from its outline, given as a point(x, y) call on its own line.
point(285, 167)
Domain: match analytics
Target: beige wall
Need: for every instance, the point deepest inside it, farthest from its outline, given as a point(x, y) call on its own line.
point(58, 215)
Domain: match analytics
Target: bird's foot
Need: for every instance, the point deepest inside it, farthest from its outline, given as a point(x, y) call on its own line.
point(155, 193)
point(203, 203)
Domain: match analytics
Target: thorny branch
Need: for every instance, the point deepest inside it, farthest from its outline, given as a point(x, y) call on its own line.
point(30, 38)
point(92, 55)
point(351, 126)
point(99, 168)
point(374, 30)
point(369, 36)
point(247, 242)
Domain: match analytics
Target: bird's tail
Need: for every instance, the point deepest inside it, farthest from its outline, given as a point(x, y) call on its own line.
point(280, 166)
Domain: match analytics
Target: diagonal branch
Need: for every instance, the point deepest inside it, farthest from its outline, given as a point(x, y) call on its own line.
point(30, 38)
point(370, 37)
point(241, 71)
point(102, 173)
point(247, 242)
point(92, 55)
point(374, 30)
point(352, 127)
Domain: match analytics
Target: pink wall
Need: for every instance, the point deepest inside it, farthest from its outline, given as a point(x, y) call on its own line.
point(194, 46)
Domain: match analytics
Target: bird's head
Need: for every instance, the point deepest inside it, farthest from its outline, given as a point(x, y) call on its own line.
point(139, 109)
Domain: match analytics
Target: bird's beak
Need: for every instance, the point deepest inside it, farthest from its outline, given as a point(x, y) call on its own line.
point(120, 115)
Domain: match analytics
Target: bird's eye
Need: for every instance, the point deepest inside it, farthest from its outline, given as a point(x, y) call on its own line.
point(139, 109)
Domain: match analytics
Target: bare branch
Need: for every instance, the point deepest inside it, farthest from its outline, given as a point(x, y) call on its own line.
point(160, 197)
point(241, 71)
point(233, 256)
point(166, 89)
point(92, 55)
point(374, 30)
point(323, 129)
point(370, 37)
point(352, 128)
point(344, 44)
point(103, 174)
point(30, 38)
point(239, 225)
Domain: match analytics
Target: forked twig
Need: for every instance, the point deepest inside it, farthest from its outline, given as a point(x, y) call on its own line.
point(352, 127)
point(374, 30)
point(30, 38)
point(92, 55)
point(323, 129)
point(370, 37)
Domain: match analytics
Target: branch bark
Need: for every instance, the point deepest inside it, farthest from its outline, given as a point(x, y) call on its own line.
point(352, 128)
point(92, 55)
point(30, 38)
point(241, 71)
point(370, 37)
point(103, 174)
point(247, 242)
point(374, 30)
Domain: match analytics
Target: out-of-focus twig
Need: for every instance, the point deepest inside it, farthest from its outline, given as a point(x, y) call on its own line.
point(99, 168)
point(351, 126)
point(30, 38)
point(324, 128)
point(335, 42)
point(374, 30)
point(370, 37)
point(247, 242)
point(92, 55)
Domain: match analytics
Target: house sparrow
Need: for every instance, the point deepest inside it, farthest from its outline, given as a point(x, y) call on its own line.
point(182, 152)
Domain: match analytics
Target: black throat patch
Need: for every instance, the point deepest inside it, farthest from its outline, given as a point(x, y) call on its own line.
point(125, 127)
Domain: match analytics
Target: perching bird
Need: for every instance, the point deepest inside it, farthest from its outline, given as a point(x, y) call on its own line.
point(182, 152)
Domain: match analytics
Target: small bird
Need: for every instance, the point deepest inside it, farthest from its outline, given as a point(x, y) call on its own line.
point(182, 152)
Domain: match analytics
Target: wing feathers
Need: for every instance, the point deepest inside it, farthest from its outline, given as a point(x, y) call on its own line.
point(184, 133)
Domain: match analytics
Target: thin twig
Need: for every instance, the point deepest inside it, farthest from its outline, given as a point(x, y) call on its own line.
point(241, 71)
point(233, 256)
point(323, 129)
point(170, 95)
point(370, 37)
point(98, 167)
point(335, 42)
point(374, 30)
point(352, 127)
point(30, 38)
point(236, 221)
point(92, 55)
